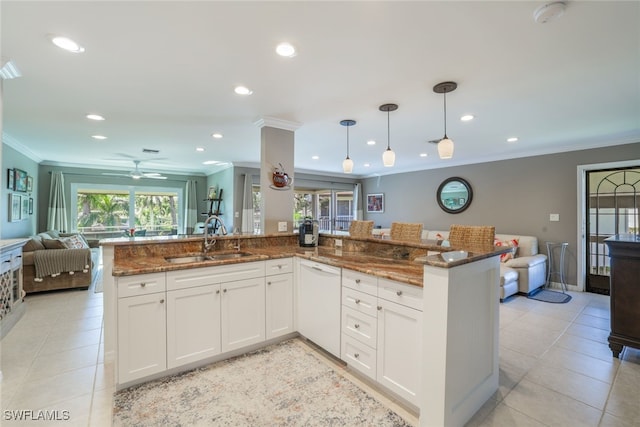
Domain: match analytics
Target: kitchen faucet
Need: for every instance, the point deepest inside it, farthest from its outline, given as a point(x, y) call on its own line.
point(206, 245)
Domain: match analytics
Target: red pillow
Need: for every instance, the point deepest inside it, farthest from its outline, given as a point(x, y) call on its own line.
point(513, 243)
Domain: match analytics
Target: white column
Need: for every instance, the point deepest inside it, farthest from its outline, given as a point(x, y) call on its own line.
point(276, 150)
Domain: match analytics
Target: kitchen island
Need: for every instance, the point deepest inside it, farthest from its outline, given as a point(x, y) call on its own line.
point(457, 339)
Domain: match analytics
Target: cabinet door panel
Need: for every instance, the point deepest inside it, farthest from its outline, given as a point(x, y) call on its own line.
point(279, 305)
point(193, 324)
point(142, 345)
point(243, 313)
point(399, 349)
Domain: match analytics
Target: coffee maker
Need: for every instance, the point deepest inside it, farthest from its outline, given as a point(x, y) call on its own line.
point(308, 230)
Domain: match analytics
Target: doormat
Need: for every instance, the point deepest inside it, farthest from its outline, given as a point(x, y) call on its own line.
point(550, 296)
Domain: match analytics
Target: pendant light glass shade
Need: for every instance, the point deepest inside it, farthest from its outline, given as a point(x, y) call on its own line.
point(388, 157)
point(347, 164)
point(445, 145)
point(445, 148)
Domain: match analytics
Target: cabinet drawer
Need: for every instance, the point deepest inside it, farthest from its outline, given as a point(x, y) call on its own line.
point(141, 284)
point(240, 271)
point(278, 266)
point(359, 356)
point(360, 281)
point(183, 279)
point(360, 326)
point(408, 295)
point(359, 301)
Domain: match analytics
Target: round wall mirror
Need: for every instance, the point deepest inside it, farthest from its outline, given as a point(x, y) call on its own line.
point(454, 195)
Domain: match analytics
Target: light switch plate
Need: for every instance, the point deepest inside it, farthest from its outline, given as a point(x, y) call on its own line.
point(282, 226)
point(554, 217)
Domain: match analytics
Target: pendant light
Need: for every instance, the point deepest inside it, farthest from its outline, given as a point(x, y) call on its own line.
point(347, 164)
point(388, 157)
point(445, 145)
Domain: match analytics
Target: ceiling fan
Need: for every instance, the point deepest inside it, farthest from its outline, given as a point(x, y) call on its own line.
point(136, 173)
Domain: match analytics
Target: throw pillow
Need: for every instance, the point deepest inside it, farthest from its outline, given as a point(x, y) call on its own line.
point(34, 244)
point(74, 242)
point(513, 243)
point(55, 234)
point(53, 244)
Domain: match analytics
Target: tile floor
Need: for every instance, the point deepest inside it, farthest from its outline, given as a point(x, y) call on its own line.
point(555, 366)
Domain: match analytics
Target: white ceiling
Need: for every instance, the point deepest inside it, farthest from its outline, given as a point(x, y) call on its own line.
point(163, 73)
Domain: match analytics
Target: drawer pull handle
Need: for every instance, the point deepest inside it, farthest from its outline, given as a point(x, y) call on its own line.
point(379, 307)
point(269, 283)
point(142, 285)
point(399, 293)
point(357, 301)
point(280, 266)
point(224, 290)
point(218, 291)
point(356, 355)
point(357, 280)
point(162, 301)
point(356, 326)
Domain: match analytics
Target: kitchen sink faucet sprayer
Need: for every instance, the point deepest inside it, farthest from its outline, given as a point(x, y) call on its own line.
point(206, 244)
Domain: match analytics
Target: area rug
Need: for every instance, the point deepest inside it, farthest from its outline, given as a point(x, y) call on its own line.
point(550, 296)
point(285, 384)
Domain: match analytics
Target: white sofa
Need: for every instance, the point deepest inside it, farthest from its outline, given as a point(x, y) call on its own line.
point(525, 273)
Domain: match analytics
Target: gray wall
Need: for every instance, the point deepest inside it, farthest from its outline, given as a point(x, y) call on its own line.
point(12, 159)
point(516, 196)
point(94, 176)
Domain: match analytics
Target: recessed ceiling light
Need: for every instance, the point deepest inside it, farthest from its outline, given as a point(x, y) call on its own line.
point(67, 44)
point(467, 117)
point(366, 165)
point(212, 162)
point(512, 139)
point(94, 117)
point(200, 149)
point(286, 49)
point(423, 154)
point(241, 90)
point(216, 135)
point(315, 157)
point(98, 137)
point(371, 142)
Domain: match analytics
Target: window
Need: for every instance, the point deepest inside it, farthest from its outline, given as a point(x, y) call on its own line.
point(107, 211)
point(332, 208)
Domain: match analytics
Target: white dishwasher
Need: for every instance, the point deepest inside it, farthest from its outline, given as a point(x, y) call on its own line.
point(319, 304)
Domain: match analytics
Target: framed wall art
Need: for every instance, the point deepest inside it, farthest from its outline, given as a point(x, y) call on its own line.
point(10, 179)
point(29, 184)
point(375, 203)
point(25, 208)
point(15, 206)
point(20, 183)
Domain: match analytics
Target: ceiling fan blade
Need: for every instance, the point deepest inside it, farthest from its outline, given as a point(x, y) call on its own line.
point(116, 174)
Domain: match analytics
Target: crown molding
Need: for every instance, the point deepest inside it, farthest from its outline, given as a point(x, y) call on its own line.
point(274, 122)
point(19, 147)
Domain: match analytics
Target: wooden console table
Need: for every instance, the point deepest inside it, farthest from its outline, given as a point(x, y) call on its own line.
point(624, 250)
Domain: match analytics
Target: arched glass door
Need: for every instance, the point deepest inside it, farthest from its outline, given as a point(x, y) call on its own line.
point(613, 200)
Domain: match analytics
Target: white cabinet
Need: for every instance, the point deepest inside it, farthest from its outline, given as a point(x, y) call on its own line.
point(381, 325)
point(193, 324)
point(319, 304)
point(399, 349)
point(142, 345)
point(279, 297)
point(243, 313)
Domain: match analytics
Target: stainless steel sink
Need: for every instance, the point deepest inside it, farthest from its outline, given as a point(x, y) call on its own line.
point(232, 255)
point(183, 259)
point(186, 259)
